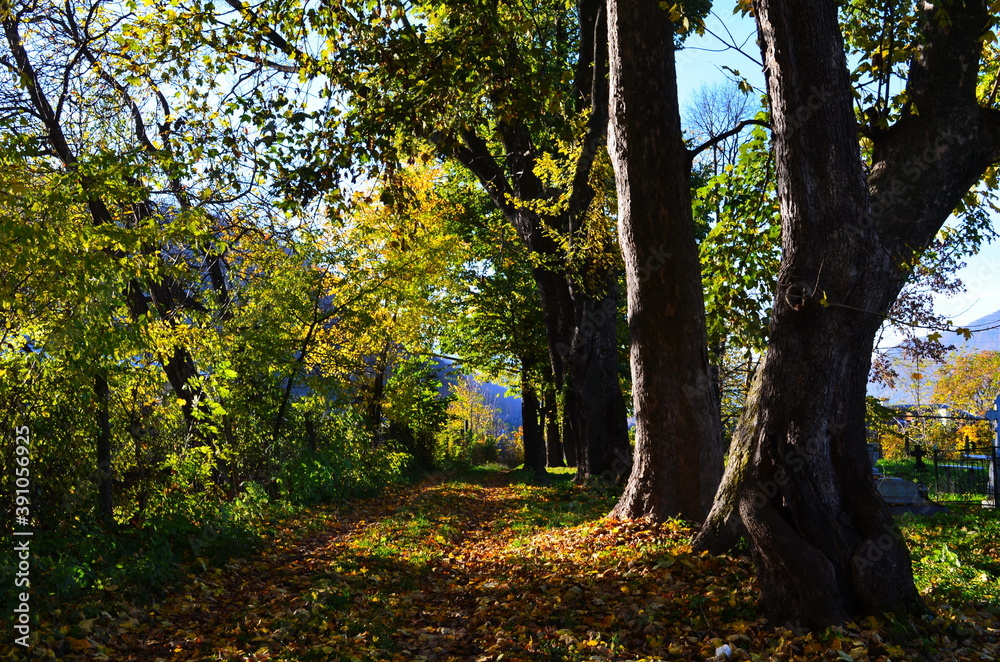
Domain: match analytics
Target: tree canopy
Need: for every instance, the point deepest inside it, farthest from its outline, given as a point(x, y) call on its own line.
point(266, 250)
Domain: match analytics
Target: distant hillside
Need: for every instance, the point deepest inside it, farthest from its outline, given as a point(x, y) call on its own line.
point(509, 406)
point(496, 395)
point(981, 341)
point(987, 340)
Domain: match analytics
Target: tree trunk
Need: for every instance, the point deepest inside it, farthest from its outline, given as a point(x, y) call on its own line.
point(182, 374)
point(534, 443)
point(553, 442)
point(595, 416)
point(678, 456)
point(105, 495)
point(569, 447)
point(580, 326)
point(374, 413)
point(921, 167)
point(823, 542)
point(580, 322)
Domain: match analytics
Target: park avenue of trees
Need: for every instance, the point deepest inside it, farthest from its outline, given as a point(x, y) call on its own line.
point(240, 240)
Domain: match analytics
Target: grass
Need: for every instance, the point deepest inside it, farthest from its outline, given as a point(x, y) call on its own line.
point(956, 555)
point(907, 469)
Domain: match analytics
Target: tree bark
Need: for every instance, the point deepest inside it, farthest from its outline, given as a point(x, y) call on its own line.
point(678, 455)
point(569, 448)
point(594, 413)
point(553, 441)
point(825, 547)
point(823, 543)
point(534, 442)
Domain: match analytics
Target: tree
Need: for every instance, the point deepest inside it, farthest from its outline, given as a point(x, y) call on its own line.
point(739, 258)
point(474, 429)
point(498, 328)
point(63, 46)
point(494, 88)
point(678, 456)
point(715, 110)
point(969, 381)
point(823, 542)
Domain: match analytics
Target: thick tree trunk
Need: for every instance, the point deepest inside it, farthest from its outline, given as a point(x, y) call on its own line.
point(678, 457)
point(534, 442)
point(921, 168)
point(824, 544)
point(553, 440)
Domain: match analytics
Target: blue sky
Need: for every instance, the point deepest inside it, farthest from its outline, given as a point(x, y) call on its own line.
point(982, 280)
point(703, 56)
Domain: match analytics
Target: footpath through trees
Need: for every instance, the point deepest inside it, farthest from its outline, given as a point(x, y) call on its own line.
point(479, 565)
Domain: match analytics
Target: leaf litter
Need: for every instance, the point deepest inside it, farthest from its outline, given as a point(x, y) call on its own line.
point(485, 569)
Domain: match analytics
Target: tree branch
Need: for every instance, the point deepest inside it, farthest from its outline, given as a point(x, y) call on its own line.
point(269, 33)
point(715, 140)
point(44, 109)
point(474, 154)
point(270, 64)
point(582, 193)
point(929, 159)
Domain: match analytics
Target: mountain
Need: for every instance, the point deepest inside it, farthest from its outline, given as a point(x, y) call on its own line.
point(985, 338)
point(496, 395)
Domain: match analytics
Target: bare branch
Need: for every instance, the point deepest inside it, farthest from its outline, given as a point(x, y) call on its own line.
point(715, 140)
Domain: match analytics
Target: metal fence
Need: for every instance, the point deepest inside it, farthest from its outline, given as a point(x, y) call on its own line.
point(969, 473)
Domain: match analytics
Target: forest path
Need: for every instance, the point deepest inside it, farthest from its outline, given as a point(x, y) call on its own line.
point(470, 566)
point(341, 591)
point(478, 566)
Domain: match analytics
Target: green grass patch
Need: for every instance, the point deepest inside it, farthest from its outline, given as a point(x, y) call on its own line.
point(907, 469)
point(956, 555)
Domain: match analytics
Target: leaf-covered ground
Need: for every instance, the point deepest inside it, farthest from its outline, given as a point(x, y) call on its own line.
point(482, 567)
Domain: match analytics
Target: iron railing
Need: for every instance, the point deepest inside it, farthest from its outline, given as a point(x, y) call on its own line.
point(970, 473)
